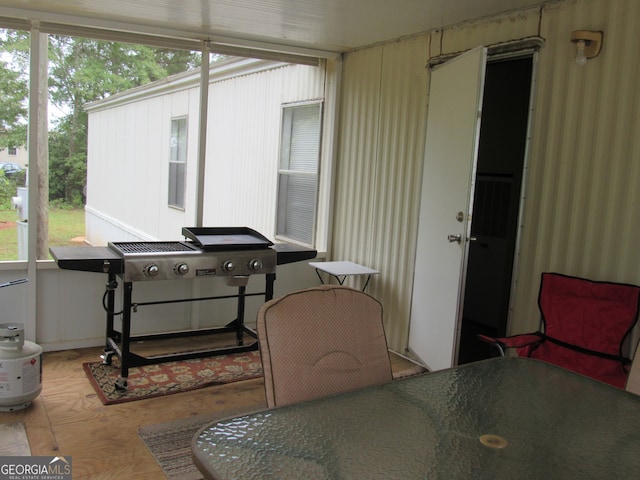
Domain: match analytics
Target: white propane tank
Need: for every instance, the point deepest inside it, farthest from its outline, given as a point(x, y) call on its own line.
point(20, 368)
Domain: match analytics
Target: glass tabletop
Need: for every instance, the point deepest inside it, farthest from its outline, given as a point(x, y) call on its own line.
point(500, 418)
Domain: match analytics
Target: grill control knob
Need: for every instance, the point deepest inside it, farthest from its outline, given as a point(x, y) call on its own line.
point(181, 268)
point(151, 270)
point(229, 266)
point(255, 265)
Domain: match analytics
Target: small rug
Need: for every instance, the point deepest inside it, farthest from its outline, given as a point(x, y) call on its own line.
point(170, 442)
point(171, 377)
point(13, 440)
point(410, 372)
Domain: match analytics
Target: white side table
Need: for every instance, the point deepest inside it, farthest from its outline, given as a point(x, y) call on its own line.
point(341, 270)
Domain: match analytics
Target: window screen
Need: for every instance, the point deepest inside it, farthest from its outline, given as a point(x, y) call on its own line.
point(298, 172)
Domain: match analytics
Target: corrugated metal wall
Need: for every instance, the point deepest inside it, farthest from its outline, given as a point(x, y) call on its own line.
point(379, 171)
point(582, 207)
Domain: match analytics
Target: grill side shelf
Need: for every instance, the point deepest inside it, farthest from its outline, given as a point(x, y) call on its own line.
point(290, 253)
point(87, 259)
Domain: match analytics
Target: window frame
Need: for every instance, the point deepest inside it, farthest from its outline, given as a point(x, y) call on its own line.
point(285, 172)
point(181, 160)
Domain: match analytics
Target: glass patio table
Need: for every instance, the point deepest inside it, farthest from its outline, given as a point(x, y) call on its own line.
point(513, 418)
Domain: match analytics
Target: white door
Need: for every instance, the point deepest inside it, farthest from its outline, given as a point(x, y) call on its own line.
point(453, 126)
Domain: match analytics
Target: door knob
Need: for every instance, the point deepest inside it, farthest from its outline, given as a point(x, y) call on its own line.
point(454, 238)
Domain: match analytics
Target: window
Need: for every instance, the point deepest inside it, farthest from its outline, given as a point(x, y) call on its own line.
point(177, 162)
point(13, 151)
point(298, 172)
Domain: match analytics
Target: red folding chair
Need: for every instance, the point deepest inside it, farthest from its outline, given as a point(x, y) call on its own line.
point(584, 325)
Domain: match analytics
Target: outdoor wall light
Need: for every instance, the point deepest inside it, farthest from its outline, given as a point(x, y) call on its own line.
point(588, 45)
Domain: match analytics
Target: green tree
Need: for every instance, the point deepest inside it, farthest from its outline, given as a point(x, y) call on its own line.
point(81, 70)
point(67, 171)
point(13, 107)
point(14, 91)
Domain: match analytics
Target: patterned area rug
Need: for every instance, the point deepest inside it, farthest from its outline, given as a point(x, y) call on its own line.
point(171, 377)
point(170, 442)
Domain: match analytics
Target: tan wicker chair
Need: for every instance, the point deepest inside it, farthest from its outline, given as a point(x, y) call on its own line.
point(321, 341)
point(633, 380)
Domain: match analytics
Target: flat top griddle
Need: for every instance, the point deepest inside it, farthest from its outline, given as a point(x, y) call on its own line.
point(226, 238)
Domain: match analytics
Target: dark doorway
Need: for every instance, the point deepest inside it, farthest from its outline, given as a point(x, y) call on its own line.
point(501, 152)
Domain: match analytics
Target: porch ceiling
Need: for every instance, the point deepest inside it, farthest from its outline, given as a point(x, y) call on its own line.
point(332, 26)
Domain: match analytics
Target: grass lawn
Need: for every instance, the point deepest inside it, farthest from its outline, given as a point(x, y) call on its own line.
point(64, 225)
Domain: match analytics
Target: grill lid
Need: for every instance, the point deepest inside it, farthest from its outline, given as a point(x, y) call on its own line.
point(226, 238)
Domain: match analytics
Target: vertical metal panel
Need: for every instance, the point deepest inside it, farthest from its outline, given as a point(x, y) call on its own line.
point(401, 143)
point(378, 177)
point(357, 156)
point(582, 209)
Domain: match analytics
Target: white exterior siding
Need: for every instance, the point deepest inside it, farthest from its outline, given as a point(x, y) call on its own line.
point(133, 157)
point(243, 132)
point(243, 138)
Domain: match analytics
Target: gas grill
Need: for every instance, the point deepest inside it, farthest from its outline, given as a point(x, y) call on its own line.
point(232, 253)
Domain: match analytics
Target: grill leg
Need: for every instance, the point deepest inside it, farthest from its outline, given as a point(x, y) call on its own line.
point(121, 383)
point(270, 278)
point(240, 321)
point(110, 333)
